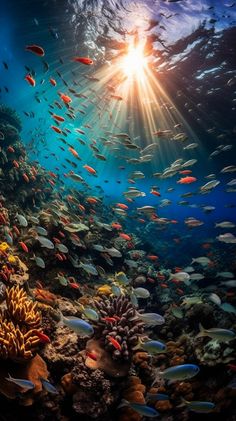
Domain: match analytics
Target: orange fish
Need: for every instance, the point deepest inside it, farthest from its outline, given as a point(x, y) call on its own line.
point(185, 172)
point(152, 257)
point(109, 319)
point(36, 49)
point(90, 169)
point(91, 200)
point(122, 206)
point(155, 192)
point(114, 342)
point(43, 338)
point(91, 355)
point(125, 236)
point(84, 60)
point(53, 82)
point(73, 285)
point(58, 117)
point(187, 180)
point(56, 129)
point(10, 149)
point(65, 98)
point(30, 80)
point(26, 178)
point(16, 164)
point(16, 230)
point(118, 97)
point(164, 285)
point(59, 257)
point(81, 207)
point(116, 226)
point(23, 246)
point(73, 151)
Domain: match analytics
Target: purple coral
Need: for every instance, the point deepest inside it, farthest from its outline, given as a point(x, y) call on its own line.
point(118, 320)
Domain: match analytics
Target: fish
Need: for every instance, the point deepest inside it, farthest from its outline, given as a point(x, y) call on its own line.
point(141, 409)
point(115, 343)
point(221, 335)
point(35, 49)
point(45, 242)
point(84, 60)
point(23, 383)
point(48, 386)
point(89, 268)
point(151, 319)
point(39, 261)
point(22, 220)
point(79, 326)
point(30, 80)
point(157, 397)
point(151, 347)
point(141, 292)
point(180, 372)
point(200, 407)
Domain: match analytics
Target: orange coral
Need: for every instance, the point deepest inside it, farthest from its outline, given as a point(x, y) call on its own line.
point(163, 406)
point(133, 393)
point(141, 359)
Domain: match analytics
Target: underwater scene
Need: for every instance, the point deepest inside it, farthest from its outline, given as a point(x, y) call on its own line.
point(117, 210)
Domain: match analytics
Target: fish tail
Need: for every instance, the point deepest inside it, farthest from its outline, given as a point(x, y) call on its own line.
point(123, 403)
point(202, 331)
point(139, 345)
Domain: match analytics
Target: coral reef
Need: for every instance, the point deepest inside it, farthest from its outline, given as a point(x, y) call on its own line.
point(18, 338)
point(134, 392)
point(21, 309)
point(93, 393)
point(118, 321)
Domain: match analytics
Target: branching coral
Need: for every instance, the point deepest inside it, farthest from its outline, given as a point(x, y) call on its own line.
point(15, 344)
point(18, 338)
point(118, 321)
point(21, 309)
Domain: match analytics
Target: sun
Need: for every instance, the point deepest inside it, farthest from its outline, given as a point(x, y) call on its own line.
point(134, 63)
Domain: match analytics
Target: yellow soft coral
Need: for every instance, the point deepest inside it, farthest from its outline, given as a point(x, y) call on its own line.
point(21, 309)
point(12, 259)
point(15, 343)
point(4, 246)
point(19, 337)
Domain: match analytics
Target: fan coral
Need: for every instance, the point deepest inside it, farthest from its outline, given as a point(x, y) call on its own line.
point(21, 309)
point(118, 321)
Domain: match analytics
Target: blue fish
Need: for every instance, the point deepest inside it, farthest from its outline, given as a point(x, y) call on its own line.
point(180, 372)
point(157, 397)
point(25, 384)
point(142, 409)
point(48, 386)
point(80, 326)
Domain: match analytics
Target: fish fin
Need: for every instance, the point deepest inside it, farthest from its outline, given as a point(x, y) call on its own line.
point(123, 403)
point(139, 345)
point(9, 378)
point(202, 331)
point(61, 319)
point(183, 403)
